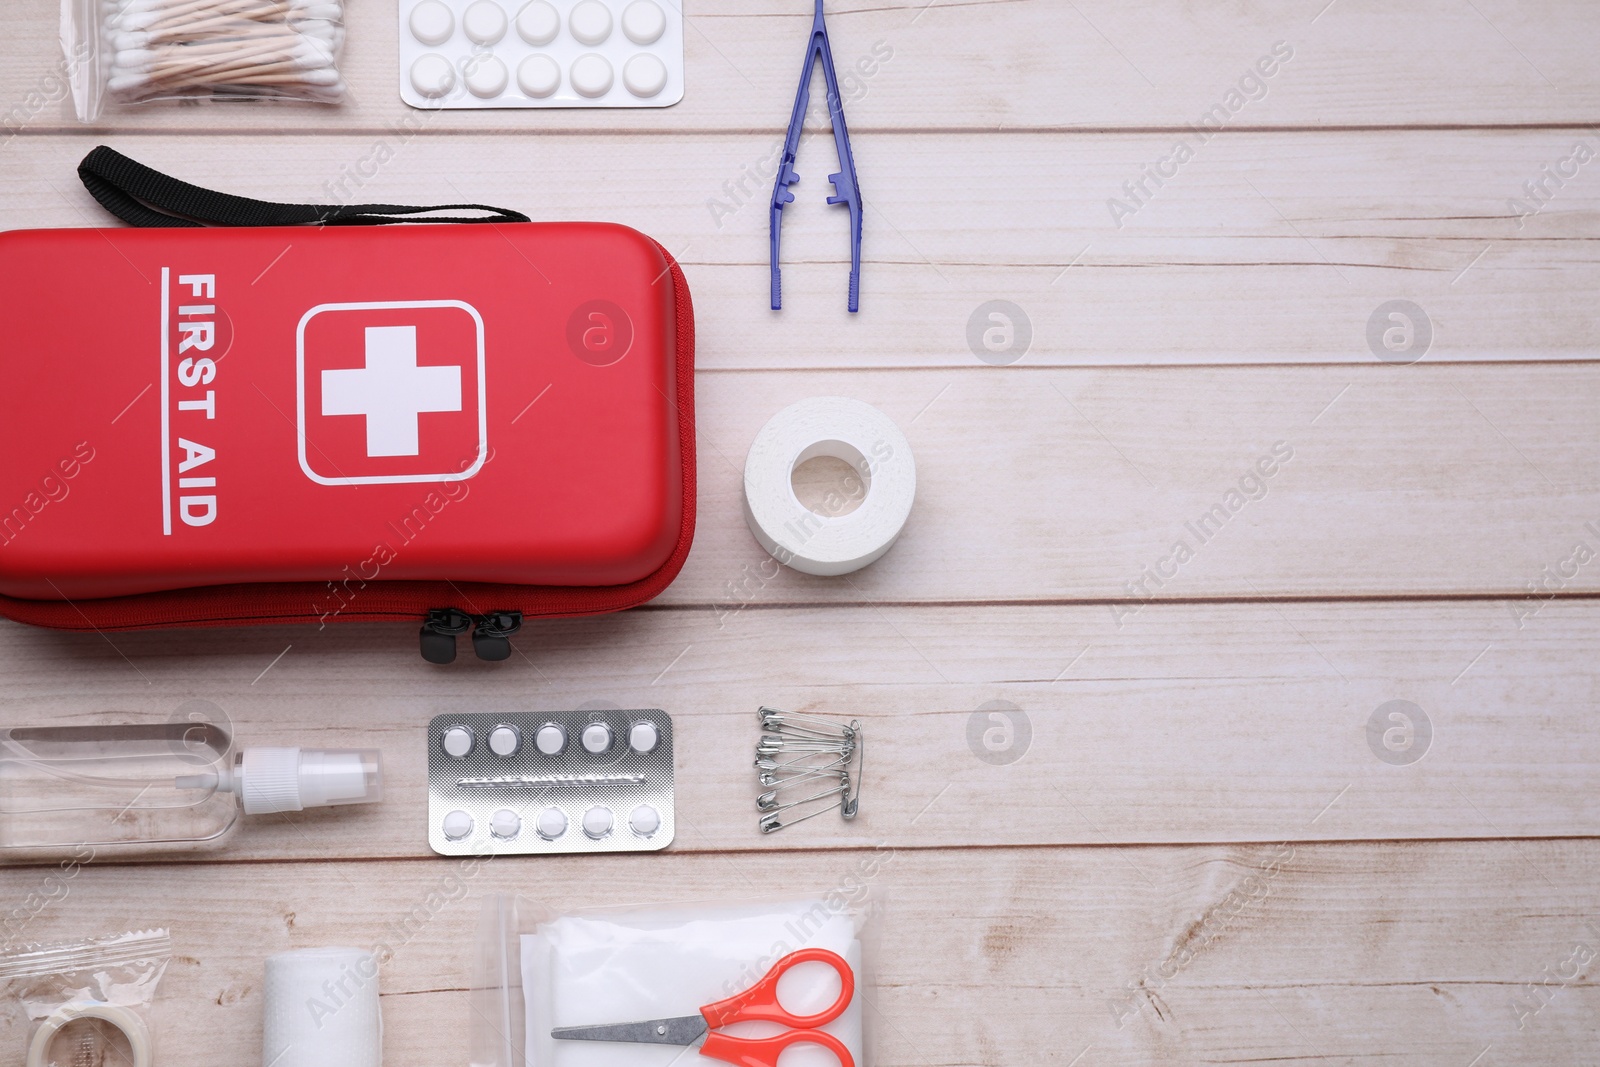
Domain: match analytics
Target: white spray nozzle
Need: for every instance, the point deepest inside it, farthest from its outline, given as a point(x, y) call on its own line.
point(293, 779)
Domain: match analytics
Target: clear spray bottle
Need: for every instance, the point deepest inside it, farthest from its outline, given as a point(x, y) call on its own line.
point(166, 786)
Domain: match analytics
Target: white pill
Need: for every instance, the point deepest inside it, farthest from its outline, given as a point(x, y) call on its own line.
point(592, 75)
point(597, 737)
point(644, 75)
point(432, 75)
point(432, 23)
point(457, 824)
point(597, 822)
point(458, 741)
point(538, 76)
point(505, 824)
point(644, 22)
point(551, 824)
point(643, 737)
point(644, 820)
point(504, 740)
point(484, 22)
point(550, 739)
point(538, 23)
point(486, 76)
point(590, 22)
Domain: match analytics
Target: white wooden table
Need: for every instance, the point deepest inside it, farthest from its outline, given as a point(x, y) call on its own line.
point(1190, 852)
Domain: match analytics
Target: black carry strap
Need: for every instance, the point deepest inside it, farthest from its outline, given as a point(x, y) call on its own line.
point(141, 196)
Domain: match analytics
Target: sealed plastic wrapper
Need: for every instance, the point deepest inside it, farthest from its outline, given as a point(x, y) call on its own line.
point(89, 999)
point(134, 51)
point(537, 972)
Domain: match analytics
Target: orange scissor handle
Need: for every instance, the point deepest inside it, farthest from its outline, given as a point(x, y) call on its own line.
point(759, 1003)
point(764, 1051)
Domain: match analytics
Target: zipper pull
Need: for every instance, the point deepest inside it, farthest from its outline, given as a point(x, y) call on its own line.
point(439, 632)
point(491, 638)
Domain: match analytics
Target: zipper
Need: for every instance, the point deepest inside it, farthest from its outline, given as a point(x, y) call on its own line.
point(491, 637)
point(297, 602)
point(491, 634)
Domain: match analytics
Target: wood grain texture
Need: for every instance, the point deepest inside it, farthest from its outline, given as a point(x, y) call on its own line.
point(1036, 63)
point(1119, 893)
point(1069, 484)
point(1431, 479)
point(1118, 487)
point(1263, 248)
point(1412, 954)
point(1203, 724)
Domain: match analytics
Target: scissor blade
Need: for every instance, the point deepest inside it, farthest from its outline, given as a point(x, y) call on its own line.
point(683, 1030)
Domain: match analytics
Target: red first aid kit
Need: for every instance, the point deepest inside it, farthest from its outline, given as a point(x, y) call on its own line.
point(462, 425)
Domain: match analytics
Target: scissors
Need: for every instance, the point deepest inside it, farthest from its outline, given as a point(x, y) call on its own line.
point(759, 1003)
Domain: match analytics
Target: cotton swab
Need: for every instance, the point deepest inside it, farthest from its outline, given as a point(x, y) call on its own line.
point(235, 48)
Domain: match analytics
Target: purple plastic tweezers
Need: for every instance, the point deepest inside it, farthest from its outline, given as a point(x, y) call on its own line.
point(846, 191)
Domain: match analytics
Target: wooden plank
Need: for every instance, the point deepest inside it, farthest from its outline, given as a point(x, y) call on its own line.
point(1058, 484)
point(1209, 723)
point(1091, 485)
point(1293, 954)
point(1198, 730)
point(1288, 263)
point(986, 65)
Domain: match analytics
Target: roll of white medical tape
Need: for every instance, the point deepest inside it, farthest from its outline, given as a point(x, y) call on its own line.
point(322, 1009)
point(125, 1019)
point(846, 429)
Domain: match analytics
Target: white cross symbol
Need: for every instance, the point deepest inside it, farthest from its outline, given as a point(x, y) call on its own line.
point(391, 390)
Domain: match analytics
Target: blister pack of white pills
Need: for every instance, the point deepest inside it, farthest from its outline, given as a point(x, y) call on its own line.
point(541, 53)
point(532, 783)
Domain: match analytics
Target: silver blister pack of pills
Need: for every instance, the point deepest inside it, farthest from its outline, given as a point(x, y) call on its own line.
point(541, 53)
point(531, 783)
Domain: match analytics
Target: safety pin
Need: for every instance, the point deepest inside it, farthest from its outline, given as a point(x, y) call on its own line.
point(798, 738)
point(840, 789)
point(813, 763)
point(794, 750)
point(800, 774)
point(772, 822)
point(770, 797)
point(777, 745)
point(851, 802)
point(767, 763)
point(773, 719)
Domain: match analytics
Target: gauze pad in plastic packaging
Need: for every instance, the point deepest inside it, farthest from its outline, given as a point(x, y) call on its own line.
point(620, 965)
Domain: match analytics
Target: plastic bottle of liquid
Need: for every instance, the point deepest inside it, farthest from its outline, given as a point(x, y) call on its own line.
point(159, 786)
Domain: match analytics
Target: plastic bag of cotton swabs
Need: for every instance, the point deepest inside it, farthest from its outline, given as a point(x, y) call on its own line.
point(136, 51)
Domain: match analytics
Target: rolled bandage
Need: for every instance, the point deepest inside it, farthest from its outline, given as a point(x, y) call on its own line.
point(845, 429)
point(128, 1021)
point(321, 1009)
